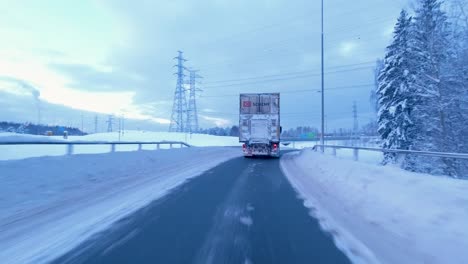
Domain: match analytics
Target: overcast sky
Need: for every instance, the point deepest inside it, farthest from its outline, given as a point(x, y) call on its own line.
point(116, 56)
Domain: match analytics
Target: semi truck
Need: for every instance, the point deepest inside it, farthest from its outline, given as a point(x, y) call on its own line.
point(259, 124)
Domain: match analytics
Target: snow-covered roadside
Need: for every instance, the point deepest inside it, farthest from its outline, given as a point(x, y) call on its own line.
point(199, 140)
point(51, 204)
point(382, 214)
point(10, 152)
point(7, 136)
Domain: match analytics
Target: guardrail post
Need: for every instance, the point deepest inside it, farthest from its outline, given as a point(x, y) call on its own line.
point(70, 149)
point(356, 154)
point(139, 147)
point(157, 146)
point(181, 145)
point(112, 147)
point(170, 145)
point(334, 152)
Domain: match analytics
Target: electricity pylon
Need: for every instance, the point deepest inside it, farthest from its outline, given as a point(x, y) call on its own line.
point(179, 108)
point(192, 113)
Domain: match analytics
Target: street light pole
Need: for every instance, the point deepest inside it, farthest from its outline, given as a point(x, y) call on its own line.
point(322, 138)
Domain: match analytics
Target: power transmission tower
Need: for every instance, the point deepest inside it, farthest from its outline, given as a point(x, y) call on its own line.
point(355, 125)
point(110, 122)
point(120, 127)
point(95, 124)
point(82, 123)
point(192, 114)
point(123, 125)
point(179, 108)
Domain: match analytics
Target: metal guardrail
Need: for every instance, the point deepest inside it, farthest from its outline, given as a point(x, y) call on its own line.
point(397, 151)
point(71, 144)
point(317, 139)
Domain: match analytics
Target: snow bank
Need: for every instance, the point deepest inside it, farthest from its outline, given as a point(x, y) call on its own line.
point(365, 142)
point(382, 214)
point(366, 156)
point(7, 136)
point(10, 152)
point(200, 140)
point(49, 205)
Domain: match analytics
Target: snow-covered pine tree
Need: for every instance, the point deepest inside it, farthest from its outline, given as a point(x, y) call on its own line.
point(393, 93)
point(373, 99)
point(464, 101)
point(455, 86)
point(429, 129)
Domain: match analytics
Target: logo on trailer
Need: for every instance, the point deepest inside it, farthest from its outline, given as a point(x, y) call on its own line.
point(246, 104)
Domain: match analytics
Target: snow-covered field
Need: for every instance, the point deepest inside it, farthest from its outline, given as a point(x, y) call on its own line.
point(26, 151)
point(49, 205)
point(382, 214)
point(201, 140)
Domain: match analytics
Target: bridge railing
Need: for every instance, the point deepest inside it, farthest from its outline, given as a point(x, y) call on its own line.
point(70, 144)
point(397, 151)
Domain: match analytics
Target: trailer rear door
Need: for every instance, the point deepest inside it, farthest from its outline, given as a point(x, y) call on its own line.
point(259, 129)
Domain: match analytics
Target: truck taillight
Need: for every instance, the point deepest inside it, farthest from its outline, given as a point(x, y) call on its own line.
point(275, 146)
point(244, 146)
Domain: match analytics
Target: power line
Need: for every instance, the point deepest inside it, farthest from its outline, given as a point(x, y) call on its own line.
point(351, 28)
point(289, 114)
point(266, 50)
point(299, 90)
point(290, 73)
point(333, 32)
point(301, 74)
point(288, 21)
point(356, 10)
point(269, 53)
point(347, 28)
point(297, 76)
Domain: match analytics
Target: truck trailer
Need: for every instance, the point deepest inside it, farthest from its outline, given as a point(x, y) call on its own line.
point(259, 124)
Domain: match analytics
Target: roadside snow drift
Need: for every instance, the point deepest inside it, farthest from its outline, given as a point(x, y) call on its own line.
point(49, 205)
point(382, 214)
point(9, 152)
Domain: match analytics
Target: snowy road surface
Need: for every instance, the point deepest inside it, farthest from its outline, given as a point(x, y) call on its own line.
point(242, 211)
point(49, 205)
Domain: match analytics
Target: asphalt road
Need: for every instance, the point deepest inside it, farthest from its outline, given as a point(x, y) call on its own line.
point(243, 211)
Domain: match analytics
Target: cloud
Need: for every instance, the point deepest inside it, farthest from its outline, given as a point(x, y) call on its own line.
point(388, 32)
point(145, 112)
point(89, 78)
point(18, 108)
point(161, 120)
point(50, 53)
point(155, 109)
point(347, 48)
point(220, 122)
point(208, 110)
point(22, 85)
